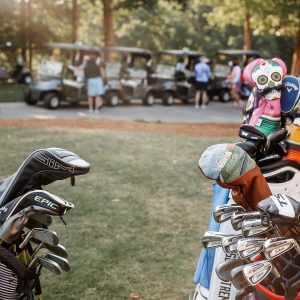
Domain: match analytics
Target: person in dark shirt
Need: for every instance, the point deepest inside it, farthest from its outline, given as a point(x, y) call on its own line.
point(95, 88)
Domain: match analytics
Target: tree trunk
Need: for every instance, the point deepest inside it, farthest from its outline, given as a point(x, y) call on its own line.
point(75, 19)
point(108, 22)
point(29, 33)
point(247, 32)
point(23, 30)
point(296, 56)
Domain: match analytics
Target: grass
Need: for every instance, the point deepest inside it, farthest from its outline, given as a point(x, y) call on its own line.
point(10, 92)
point(139, 214)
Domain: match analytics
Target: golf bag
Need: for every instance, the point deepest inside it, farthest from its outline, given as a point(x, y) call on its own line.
point(281, 175)
point(26, 211)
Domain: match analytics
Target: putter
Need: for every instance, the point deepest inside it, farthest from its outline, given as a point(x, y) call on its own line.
point(255, 227)
point(224, 212)
point(229, 243)
point(49, 264)
point(62, 262)
point(248, 247)
point(213, 239)
point(238, 218)
point(275, 247)
point(41, 234)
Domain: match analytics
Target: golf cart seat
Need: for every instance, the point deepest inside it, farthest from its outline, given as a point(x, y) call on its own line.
point(42, 167)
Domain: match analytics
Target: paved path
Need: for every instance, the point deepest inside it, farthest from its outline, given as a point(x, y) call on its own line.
point(216, 113)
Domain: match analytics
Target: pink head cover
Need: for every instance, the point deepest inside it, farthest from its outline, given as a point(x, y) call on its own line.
point(247, 73)
point(263, 74)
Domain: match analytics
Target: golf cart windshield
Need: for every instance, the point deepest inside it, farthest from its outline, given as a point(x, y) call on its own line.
point(49, 68)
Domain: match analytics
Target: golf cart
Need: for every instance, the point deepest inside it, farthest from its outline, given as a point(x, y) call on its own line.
point(219, 85)
point(20, 73)
point(171, 82)
point(60, 80)
point(127, 75)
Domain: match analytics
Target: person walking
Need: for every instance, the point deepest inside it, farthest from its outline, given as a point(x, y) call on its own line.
point(234, 80)
point(95, 88)
point(202, 76)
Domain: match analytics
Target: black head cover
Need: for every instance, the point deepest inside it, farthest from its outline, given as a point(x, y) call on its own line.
point(251, 133)
point(282, 209)
point(42, 201)
point(42, 167)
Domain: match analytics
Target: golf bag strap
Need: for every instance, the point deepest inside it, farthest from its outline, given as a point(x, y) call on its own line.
point(15, 265)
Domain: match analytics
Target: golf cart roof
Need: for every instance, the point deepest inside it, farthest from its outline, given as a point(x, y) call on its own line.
point(239, 52)
point(182, 52)
point(75, 46)
point(133, 50)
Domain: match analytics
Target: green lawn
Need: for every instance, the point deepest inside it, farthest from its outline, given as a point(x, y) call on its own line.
point(10, 92)
point(139, 214)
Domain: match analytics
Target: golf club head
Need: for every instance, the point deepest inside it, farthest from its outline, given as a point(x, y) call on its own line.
point(229, 243)
point(223, 269)
point(212, 239)
point(59, 249)
point(49, 264)
point(62, 262)
point(41, 234)
point(237, 278)
point(238, 218)
point(248, 247)
point(255, 272)
point(255, 227)
point(251, 133)
point(224, 212)
point(275, 247)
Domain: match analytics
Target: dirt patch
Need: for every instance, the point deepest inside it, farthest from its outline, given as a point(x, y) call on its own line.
point(209, 129)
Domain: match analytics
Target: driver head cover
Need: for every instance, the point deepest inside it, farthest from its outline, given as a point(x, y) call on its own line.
point(234, 169)
point(225, 162)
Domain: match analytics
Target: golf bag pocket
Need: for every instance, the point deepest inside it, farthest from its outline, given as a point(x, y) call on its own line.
point(8, 283)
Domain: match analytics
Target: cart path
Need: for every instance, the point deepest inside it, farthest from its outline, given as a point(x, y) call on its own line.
point(216, 112)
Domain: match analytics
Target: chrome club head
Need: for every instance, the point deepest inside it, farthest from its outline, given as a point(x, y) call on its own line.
point(229, 243)
point(275, 247)
point(62, 262)
point(223, 269)
point(212, 239)
point(248, 247)
point(238, 218)
point(254, 273)
point(255, 227)
point(251, 274)
point(41, 234)
point(48, 264)
point(224, 212)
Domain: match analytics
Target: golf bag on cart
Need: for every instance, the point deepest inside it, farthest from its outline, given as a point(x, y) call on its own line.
point(281, 174)
point(26, 212)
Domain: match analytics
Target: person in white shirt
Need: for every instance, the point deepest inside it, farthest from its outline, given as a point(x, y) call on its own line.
point(234, 80)
point(202, 76)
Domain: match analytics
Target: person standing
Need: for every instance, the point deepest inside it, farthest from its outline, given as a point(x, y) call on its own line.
point(234, 80)
point(202, 76)
point(95, 88)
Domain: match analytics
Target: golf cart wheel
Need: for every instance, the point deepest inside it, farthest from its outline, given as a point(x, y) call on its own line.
point(224, 96)
point(168, 99)
point(149, 99)
point(51, 101)
point(28, 99)
point(113, 98)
